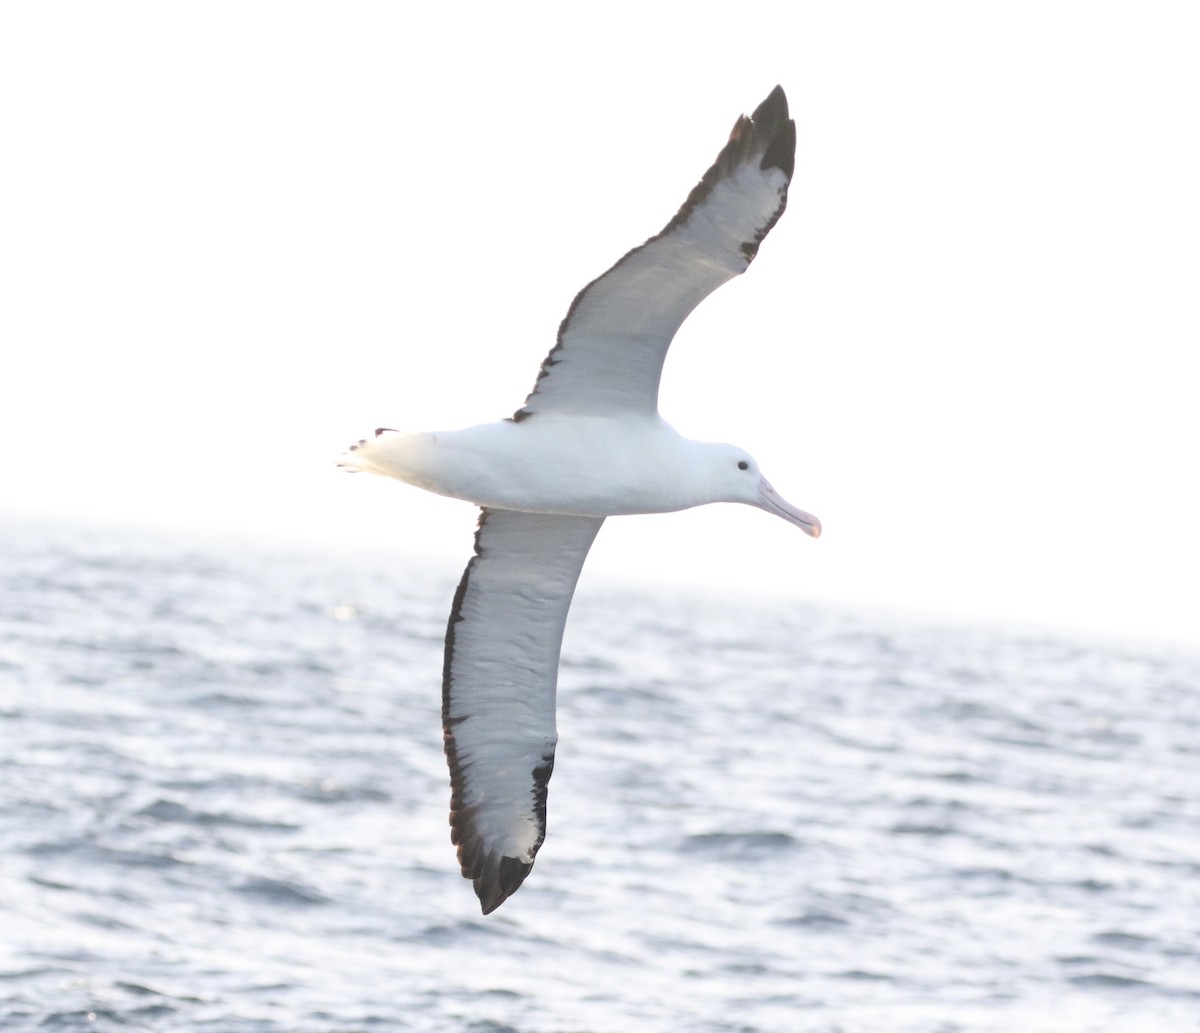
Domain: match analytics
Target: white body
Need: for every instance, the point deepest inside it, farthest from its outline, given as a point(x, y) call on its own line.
point(571, 465)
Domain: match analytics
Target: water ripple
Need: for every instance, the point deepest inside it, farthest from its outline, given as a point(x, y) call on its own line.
point(225, 809)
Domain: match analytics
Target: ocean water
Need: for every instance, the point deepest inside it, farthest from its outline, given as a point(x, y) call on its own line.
point(223, 808)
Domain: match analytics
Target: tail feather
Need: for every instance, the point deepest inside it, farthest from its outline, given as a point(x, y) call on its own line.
point(358, 458)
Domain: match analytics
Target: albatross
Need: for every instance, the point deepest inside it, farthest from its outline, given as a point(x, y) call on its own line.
point(588, 443)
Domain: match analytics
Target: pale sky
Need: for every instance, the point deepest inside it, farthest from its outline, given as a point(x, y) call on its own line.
point(235, 237)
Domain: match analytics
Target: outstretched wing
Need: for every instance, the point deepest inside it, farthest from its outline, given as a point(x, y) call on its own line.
point(498, 688)
point(612, 343)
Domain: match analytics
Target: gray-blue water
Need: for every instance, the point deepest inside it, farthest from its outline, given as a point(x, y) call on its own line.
point(224, 809)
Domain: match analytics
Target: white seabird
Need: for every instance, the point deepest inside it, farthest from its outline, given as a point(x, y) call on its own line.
point(587, 444)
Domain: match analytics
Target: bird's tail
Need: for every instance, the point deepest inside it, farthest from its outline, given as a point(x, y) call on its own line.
point(362, 456)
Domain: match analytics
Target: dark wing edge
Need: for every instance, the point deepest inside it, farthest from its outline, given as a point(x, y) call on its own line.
point(524, 571)
point(768, 129)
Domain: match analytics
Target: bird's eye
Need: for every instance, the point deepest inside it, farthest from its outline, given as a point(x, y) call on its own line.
point(743, 465)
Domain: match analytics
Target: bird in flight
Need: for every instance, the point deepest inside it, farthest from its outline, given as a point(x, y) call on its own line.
point(588, 443)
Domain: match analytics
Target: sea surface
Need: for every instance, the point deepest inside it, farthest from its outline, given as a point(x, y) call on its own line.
point(223, 808)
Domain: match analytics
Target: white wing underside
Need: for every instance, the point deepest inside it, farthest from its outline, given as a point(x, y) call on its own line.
point(498, 689)
point(614, 339)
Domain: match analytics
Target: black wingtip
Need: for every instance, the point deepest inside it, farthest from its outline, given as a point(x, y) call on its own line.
point(500, 882)
point(774, 108)
point(771, 119)
point(495, 877)
point(768, 128)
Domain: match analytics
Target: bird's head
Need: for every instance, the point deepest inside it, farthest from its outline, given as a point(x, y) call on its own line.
point(737, 478)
